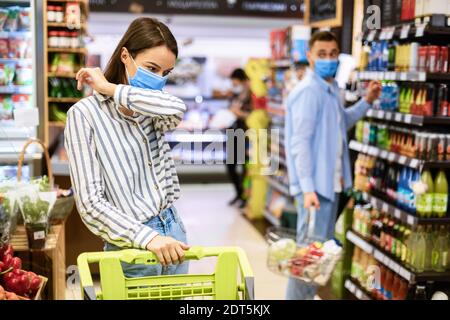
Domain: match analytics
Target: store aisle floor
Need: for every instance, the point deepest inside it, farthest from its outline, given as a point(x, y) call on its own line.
point(211, 222)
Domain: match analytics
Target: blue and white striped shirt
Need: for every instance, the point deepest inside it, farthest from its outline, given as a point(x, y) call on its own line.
point(121, 167)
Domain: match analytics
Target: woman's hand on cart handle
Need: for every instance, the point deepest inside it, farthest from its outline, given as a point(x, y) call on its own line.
point(95, 78)
point(311, 200)
point(167, 249)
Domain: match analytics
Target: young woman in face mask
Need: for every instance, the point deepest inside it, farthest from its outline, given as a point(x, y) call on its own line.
point(241, 106)
point(121, 168)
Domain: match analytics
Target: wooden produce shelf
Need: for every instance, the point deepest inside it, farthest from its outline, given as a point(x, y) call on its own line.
point(37, 259)
point(68, 50)
point(64, 25)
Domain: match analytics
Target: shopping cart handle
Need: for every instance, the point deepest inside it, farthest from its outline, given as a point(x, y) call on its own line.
point(147, 257)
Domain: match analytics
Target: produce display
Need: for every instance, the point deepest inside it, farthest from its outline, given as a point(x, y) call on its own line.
point(13, 279)
point(311, 263)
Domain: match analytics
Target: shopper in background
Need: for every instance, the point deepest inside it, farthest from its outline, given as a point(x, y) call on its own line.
point(241, 106)
point(316, 144)
point(121, 168)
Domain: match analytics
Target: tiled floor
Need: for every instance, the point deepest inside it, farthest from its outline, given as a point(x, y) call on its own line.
point(211, 222)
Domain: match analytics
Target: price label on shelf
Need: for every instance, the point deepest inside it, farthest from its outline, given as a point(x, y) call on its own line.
point(414, 163)
point(403, 76)
point(397, 214)
point(390, 33)
point(380, 114)
point(408, 118)
point(402, 159)
point(372, 35)
point(398, 117)
point(359, 294)
point(420, 30)
point(405, 31)
point(410, 220)
point(389, 116)
point(384, 207)
point(384, 154)
point(391, 156)
point(405, 274)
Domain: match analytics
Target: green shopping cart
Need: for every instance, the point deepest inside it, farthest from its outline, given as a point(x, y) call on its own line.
point(232, 280)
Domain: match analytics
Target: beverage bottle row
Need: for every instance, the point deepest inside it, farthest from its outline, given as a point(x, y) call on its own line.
point(414, 144)
point(423, 248)
point(385, 56)
point(381, 282)
point(412, 191)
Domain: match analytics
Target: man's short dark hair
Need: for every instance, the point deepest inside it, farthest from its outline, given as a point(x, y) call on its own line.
point(239, 74)
point(322, 36)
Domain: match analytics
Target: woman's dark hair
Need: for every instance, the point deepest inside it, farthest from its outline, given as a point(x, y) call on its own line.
point(142, 34)
point(326, 36)
point(239, 74)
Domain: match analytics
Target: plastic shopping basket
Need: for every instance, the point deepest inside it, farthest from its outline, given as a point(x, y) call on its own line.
point(232, 280)
point(310, 259)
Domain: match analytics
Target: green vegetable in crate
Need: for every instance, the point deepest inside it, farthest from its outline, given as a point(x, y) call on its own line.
point(34, 212)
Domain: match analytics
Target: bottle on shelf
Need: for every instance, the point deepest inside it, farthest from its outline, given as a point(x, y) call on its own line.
point(425, 200)
point(439, 260)
point(429, 238)
point(421, 293)
point(418, 250)
point(440, 198)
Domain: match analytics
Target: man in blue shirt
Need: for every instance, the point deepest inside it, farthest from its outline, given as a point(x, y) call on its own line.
point(316, 144)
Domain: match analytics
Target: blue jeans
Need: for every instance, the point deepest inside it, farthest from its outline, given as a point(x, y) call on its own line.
point(169, 224)
point(324, 229)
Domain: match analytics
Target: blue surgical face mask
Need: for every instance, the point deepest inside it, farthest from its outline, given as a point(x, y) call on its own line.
point(145, 79)
point(326, 69)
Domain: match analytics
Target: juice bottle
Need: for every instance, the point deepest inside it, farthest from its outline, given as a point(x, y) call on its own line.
point(420, 250)
point(395, 287)
point(403, 290)
point(425, 200)
point(405, 243)
point(355, 263)
point(388, 285)
point(429, 247)
point(400, 239)
point(440, 199)
point(411, 245)
point(440, 251)
point(395, 237)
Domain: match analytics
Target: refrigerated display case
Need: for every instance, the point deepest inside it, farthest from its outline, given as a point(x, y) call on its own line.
point(19, 115)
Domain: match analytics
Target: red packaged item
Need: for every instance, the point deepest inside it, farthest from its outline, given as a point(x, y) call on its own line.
point(412, 9)
point(278, 44)
point(428, 105)
point(443, 57)
point(433, 58)
point(4, 50)
point(443, 101)
point(423, 58)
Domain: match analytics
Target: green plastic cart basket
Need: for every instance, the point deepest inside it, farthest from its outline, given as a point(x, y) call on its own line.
point(232, 280)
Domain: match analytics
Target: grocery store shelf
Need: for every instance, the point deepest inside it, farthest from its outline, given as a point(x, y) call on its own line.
point(392, 264)
point(16, 89)
point(64, 25)
point(399, 214)
point(356, 290)
point(407, 118)
point(413, 76)
point(61, 75)
point(68, 50)
point(395, 157)
point(271, 218)
point(14, 157)
point(64, 100)
point(284, 63)
point(279, 186)
point(60, 168)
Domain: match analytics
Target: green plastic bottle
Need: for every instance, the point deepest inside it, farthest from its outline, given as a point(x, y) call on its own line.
point(425, 200)
point(440, 251)
point(440, 199)
point(429, 237)
point(420, 248)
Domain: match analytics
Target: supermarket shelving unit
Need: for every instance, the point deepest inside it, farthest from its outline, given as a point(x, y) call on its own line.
point(423, 31)
point(13, 137)
point(54, 129)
